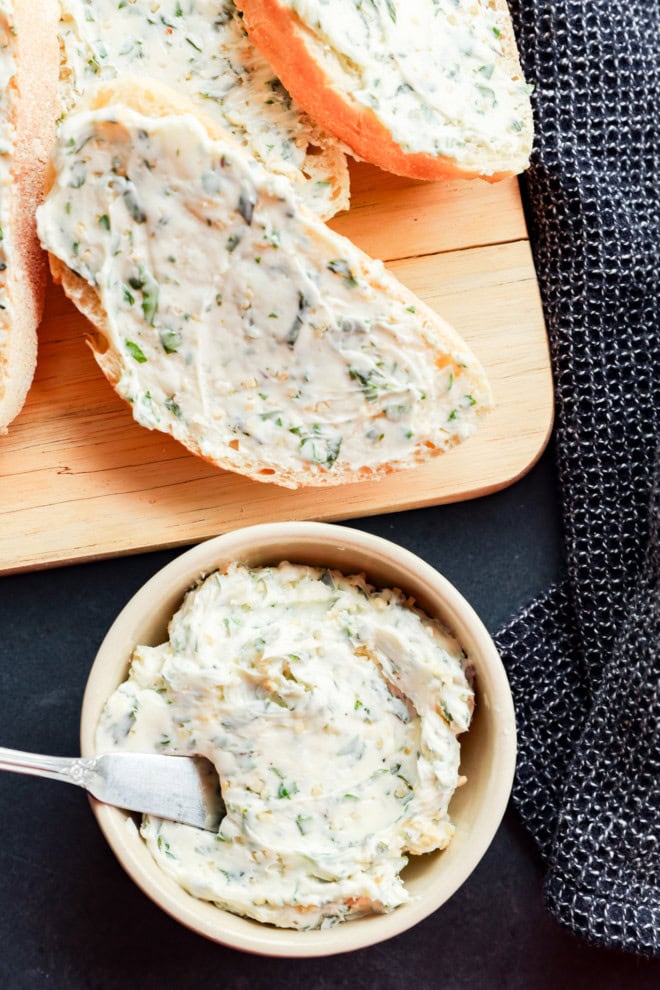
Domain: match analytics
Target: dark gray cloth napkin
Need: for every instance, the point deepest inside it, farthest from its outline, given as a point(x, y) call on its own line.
point(584, 659)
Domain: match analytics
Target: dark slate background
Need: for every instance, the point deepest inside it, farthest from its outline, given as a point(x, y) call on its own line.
point(70, 917)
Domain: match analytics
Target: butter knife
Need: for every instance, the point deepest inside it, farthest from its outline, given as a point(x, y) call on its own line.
point(181, 788)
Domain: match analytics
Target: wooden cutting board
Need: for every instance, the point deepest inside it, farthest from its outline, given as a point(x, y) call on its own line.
point(80, 480)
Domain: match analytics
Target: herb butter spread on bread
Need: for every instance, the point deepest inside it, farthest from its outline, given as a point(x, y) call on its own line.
point(28, 79)
point(231, 317)
point(424, 88)
point(201, 49)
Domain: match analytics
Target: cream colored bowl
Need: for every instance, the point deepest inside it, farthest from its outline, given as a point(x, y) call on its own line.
point(488, 749)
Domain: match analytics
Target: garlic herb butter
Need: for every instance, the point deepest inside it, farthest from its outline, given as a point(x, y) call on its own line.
point(200, 47)
point(238, 322)
point(330, 711)
point(438, 74)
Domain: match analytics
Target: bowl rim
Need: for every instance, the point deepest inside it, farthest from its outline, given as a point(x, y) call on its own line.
point(266, 939)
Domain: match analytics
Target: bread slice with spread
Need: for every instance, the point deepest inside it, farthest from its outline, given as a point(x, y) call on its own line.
point(425, 88)
point(231, 317)
point(201, 49)
point(28, 101)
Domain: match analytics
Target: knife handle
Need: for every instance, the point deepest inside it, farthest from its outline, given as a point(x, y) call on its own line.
point(71, 770)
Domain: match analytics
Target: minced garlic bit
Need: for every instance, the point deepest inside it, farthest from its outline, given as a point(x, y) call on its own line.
point(330, 711)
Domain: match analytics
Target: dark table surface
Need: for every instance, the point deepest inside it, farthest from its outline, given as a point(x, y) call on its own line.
point(70, 917)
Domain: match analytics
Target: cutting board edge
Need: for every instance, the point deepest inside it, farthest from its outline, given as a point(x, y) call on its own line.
point(469, 493)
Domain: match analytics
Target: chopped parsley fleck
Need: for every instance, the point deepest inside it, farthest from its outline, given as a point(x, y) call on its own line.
point(132, 205)
point(135, 351)
point(487, 94)
point(286, 792)
point(372, 383)
point(150, 303)
point(445, 712)
point(296, 326)
point(317, 448)
point(246, 204)
point(171, 340)
point(164, 846)
point(173, 407)
point(332, 451)
point(304, 823)
point(340, 267)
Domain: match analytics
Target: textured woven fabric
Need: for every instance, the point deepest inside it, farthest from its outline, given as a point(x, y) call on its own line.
point(584, 659)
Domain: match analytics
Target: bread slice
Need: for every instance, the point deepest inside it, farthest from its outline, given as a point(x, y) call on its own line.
point(202, 50)
point(232, 318)
point(28, 109)
point(425, 88)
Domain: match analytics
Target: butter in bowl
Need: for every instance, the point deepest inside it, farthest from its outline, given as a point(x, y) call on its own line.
point(331, 677)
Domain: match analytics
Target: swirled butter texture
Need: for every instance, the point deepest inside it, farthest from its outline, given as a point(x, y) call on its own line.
point(330, 711)
point(237, 321)
point(200, 47)
point(434, 72)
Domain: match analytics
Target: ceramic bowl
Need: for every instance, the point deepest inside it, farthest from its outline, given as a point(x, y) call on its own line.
point(487, 750)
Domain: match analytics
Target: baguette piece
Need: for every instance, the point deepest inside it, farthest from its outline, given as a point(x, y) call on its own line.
point(230, 317)
point(201, 49)
point(28, 109)
point(424, 88)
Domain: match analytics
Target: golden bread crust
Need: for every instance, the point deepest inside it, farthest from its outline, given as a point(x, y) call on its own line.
point(297, 59)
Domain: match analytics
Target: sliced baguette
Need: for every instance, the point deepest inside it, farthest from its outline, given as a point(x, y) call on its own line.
point(201, 49)
point(424, 88)
point(28, 109)
point(355, 377)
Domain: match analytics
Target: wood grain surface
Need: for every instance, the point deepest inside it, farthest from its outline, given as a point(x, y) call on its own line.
point(80, 480)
